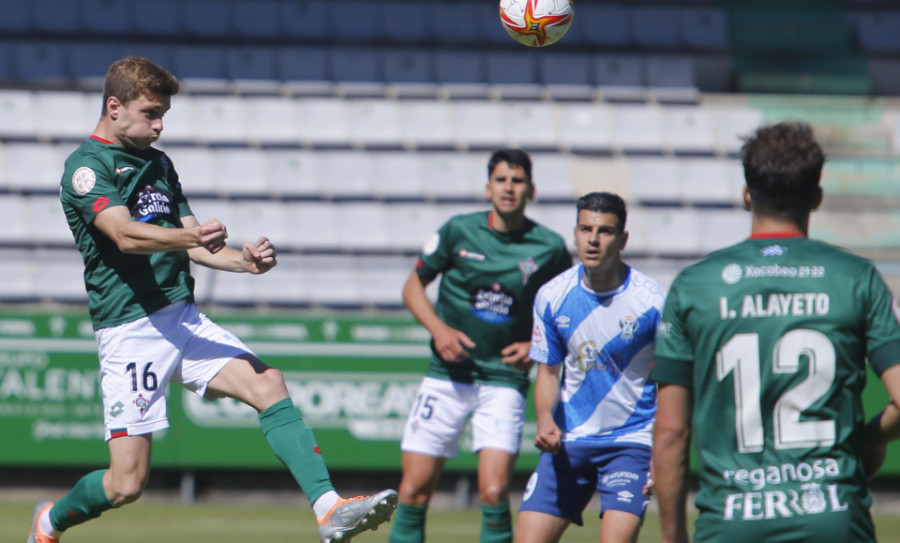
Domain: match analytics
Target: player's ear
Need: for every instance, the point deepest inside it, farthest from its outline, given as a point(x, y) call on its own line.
point(746, 197)
point(112, 107)
point(532, 191)
point(624, 240)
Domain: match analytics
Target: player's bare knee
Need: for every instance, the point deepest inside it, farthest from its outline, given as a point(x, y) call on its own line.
point(270, 386)
point(493, 494)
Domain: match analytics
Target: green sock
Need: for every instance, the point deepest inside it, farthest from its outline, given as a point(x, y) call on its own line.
point(408, 525)
point(496, 523)
point(295, 445)
point(86, 501)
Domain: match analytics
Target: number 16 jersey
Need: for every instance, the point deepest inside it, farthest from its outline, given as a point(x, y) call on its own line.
point(772, 336)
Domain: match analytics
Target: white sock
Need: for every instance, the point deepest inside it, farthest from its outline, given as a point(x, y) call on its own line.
point(324, 504)
point(47, 526)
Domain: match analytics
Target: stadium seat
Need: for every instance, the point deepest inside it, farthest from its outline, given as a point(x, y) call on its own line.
point(88, 62)
point(410, 224)
point(356, 65)
point(271, 120)
point(704, 28)
point(426, 123)
point(231, 289)
point(16, 17)
point(874, 230)
point(224, 211)
point(722, 227)
point(46, 221)
point(285, 284)
point(257, 19)
point(621, 77)
point(654, 179)
point(18, 117)
point(39, 62)
point(158, 18)
point(360, 20)
point(408, 67)
point(879, 31)
point(396, 175)
point(374, 123)
point(106, 16)
point(311, 20)
point(559, 218)
point(313, 225)
point(256, 64)
point(707, 181)
point(383, 289)
point(453, 175)
point(478, 123)
point(451, 22)
point(731, 124)
point(292, 172)
point(674, 232)
point(323, 121)
point(687, 129)
point(206, 18)
point(59, 276)
point(198, 62)
point(218, 119)
point(567, 75)
point(584, 126)
point(407, 21)
point(17, 269)
point(605, 25)
point(530, 124)
point(65, 114)
point(344, 174)
point(513, 73)
point(239, 171)
point(305, 69)
point(656, 27)
point(56, 16)
point(672, 79)
point(637, 128)
point(362, 226)
point(14, 210)
point(35, 167)
point(254, 218)
point(333, 281)
point(196, 169)
point(553, 176)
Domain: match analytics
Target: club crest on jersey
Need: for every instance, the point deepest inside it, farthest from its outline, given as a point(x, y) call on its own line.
point(731, 274)
point(528, 267)
point(629, 326)
point(83, 180)
point(773, 250)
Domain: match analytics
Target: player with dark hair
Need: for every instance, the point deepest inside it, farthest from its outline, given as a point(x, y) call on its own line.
point(133, 226)
point(492, 264)
point(594, 328)
point(761, 358)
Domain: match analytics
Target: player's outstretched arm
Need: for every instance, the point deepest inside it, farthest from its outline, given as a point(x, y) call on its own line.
point(449, 343)
point(135, 237)
point(671, 463)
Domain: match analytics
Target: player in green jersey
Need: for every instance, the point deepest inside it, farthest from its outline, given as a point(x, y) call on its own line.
point(138, 236)
point(761, 359)
point(492, 264)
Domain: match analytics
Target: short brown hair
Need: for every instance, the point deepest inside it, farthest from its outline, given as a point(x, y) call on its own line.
point(132, 77)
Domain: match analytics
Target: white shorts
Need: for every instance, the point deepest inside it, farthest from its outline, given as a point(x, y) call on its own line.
point(139, 358)
point(438, 418)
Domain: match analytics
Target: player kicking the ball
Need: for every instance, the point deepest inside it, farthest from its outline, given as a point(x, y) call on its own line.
point(138, 236)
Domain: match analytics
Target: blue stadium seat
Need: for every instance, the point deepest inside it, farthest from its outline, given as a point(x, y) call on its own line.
point(619, 71)
point(452, 21)
point(199, 62)
point(511, 67)
point(312, 19)
point(304, 64)
point(107, 16)
point(91, 60)
point(206, 18)
point(16, 16)
point(356, 65)
point(358, 20)
point(407, 21)
point(565, 69)
point(605, 25)
point(6, 64)
point(158, 18)
point(160, 53)
point(404, 66)
point(656, 27)
point(460, 67)
point(256, 18)
point(704, 28)
point(55, 16)
point(39, 62)
point(251, 62)
point(879, 32)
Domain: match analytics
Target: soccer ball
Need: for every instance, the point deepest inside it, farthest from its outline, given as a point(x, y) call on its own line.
point(536, 23)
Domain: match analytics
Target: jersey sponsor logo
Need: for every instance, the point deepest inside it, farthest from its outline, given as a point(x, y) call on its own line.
point(471, 255)
point(619, 478)
point(528, 267)
point(664, 329)
point(803, 472)
point(772, 504)
point(588, 358)
point(731, 274)
point(494, 304)
point(629, 326)
point(153, 204)
point(432, 244)
point(83, 180)
point(773, 250)
point(124, 169)
point(100, 204)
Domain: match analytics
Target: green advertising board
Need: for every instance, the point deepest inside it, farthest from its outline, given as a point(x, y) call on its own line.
point(354, 378)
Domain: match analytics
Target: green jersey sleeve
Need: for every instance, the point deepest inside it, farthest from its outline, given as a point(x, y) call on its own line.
point(436, 257)
point(89, 186)
point(882, 325)
point(674, 355)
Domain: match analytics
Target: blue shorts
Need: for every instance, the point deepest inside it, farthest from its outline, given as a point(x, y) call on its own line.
point(563, 483)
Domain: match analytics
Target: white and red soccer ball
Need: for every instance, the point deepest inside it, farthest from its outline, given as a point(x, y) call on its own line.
point(536, 23)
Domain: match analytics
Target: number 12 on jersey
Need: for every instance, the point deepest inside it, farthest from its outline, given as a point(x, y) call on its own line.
point(740, 357)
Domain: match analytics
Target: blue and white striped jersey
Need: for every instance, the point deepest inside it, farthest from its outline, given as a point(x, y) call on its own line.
point(605, 341)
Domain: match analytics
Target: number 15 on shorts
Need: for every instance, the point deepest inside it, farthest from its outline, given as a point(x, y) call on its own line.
point(424, 407)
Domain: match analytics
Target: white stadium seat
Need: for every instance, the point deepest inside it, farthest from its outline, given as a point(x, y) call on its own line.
point(292, 172)
point(426, 123)
point(313, 225)
point(654, 179)
point(706, 180)
point(271, 120)
point(34, 166)
point(584, 126)
point(18, 113)
point(239, 171)
point(410, 225)
point(530, 124)
point(478, 123)
point(454, 175)
point(687, 129)
point(323, 121)
point(374, 123)
point(362, 226)
point(396, 174)
point(47, 221)
point(344, 173)
point(219, 119)
point(637, 128)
